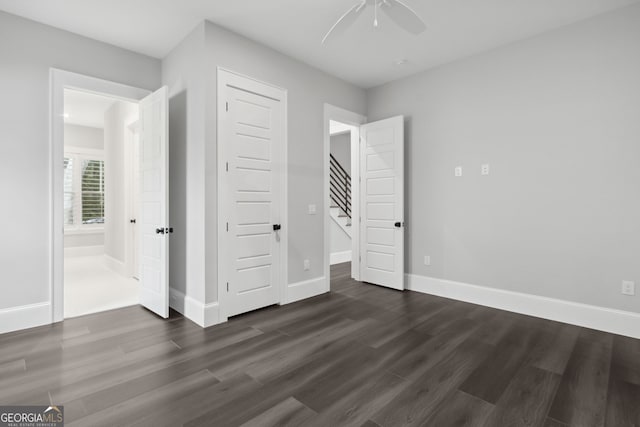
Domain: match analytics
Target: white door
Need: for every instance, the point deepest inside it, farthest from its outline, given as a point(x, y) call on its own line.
point(154, 212)
point(251, 143)
point(382, 203)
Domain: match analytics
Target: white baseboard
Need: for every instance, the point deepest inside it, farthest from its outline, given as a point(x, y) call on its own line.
point(78, 251)
point(589, 316)
point(204, 315)
point(115, 265)
point(339, 257)
point(306, 289)
point(23, 317)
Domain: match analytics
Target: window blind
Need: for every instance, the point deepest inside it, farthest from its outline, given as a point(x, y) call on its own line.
point(92, 192)
point(83, 191)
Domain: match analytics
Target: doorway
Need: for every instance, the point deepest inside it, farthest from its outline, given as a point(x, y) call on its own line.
point(343, 141)
point(100, 230)
point(342, 130)
point(374, 200)
point(152, 216)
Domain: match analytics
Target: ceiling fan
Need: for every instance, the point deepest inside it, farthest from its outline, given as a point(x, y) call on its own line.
point(398, 11)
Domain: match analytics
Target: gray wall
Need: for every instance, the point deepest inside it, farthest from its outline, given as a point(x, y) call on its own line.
point(27, 52)
point(183, 71)
point(116, 225)
point(91, 138)
point(341, 150)
point(557, 118)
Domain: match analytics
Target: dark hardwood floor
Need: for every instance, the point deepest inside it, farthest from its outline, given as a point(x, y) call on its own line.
point(361, 355)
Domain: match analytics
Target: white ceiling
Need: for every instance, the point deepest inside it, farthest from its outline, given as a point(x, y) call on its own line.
point(337, 128)
point(363, 55)
point(85, 109)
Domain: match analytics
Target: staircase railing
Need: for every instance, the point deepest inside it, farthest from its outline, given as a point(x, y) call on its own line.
point(339, 186)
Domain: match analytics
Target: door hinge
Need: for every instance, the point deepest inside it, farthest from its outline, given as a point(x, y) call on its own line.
point(360, 219)
point(227, 106)
point(227, 166)
point(227, 286)
point(227, 226)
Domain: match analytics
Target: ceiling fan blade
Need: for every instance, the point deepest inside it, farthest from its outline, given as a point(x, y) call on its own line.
point(404, 16)
point(345, 20)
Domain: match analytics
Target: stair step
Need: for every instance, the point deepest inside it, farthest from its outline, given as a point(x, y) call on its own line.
point(334, 206)
point(341, 215)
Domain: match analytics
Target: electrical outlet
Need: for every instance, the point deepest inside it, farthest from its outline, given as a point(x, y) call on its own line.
point(427, 260)
point(307, 264)
point(458, 171)
point(628, 288)
point(312, 209)
point(484, 169)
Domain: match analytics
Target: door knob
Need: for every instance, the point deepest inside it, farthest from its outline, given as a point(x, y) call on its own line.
point(159, 230)
point(132, 221)
point(398, 224)
point(276, 227)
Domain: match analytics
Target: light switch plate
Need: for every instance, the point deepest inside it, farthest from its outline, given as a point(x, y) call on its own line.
point(307, 264)
point(312, 209)
point(458, 171)
point(484, 169)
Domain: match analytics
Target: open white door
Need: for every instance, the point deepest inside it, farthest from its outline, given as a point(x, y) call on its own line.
point(154, 209)
point(382, 203)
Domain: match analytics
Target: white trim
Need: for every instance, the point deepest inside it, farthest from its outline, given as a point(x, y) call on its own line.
point(115, 265)
point(23, 317)
point(588, 316)
point(80, 251)
point(341, 222)
point(338, 114)
point(204, 315)
point(340, 257)
point(306, 289)
point(223, 76)
point(58, 81)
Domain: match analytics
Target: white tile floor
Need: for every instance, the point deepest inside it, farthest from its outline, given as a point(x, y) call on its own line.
point(90, 287)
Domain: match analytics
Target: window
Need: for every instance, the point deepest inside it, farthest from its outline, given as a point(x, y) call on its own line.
point(83, 191)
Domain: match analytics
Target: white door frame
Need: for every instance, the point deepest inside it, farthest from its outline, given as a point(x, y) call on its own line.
point(341, 115)
point(59, 80)
point(223, 75)
point(132, 131)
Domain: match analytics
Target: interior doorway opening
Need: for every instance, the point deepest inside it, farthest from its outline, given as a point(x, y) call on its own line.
point(375, 199)
point(341, 176)
point(342, 189)
point(101, 199)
